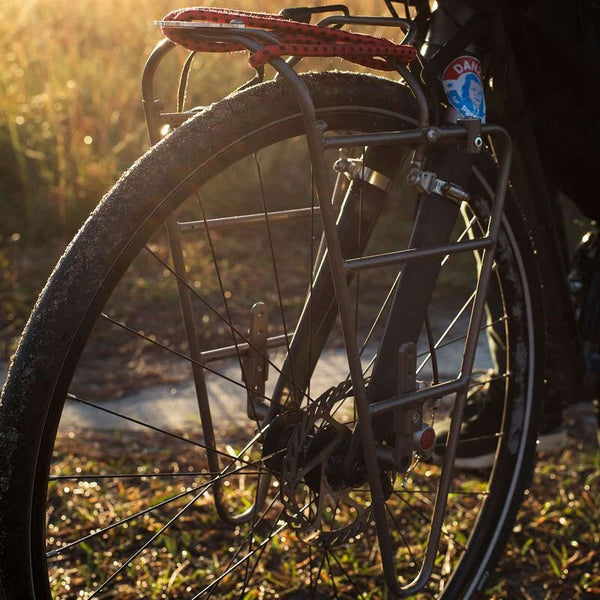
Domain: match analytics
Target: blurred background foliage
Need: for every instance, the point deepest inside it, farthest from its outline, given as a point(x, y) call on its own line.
point(70, 115)
point(71, 121)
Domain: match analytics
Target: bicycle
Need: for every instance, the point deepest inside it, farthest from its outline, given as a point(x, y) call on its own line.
point(369, 215)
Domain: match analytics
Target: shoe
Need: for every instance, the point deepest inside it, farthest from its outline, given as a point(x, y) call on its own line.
point(479, 432)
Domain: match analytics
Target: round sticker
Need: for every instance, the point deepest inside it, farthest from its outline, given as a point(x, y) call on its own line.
point(462, 84)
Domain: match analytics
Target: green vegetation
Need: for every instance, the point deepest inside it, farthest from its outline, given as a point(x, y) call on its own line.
point(553, 553)
point(71, 121)
point(70, 118)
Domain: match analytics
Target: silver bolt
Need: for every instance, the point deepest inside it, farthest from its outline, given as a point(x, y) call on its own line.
point(431, 135)
point(478, 142)
point(415, 417)
point(413, 177)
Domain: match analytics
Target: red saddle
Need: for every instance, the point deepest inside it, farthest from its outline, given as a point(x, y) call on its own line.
point(296, 39)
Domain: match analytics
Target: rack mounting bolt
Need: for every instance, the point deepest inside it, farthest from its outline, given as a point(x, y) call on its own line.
point(431, 135)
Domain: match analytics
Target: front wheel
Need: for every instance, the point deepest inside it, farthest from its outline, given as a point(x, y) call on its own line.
point(149, 455)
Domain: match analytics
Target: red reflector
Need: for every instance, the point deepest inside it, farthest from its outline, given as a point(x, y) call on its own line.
point(427, 438)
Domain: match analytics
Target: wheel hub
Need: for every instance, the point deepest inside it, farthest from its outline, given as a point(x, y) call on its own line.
point(326, 502)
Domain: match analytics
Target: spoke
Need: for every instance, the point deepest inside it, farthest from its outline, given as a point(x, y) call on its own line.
point(140, 513)
point(169, 433)
point(435, 376)
point(461, 237)
point(179, 354)
point(247, 539)
point(223, 296)
point(379, 315)
point(449, 328)
point(310, 562)
point(463, 337)
point(424, 491)
point(95, 533)
point(433, 347)
point(372, 331)
point(346, 574)
point(331, 575)
point(272, 534)
point(312, 268)
point(273, 261)
point(374, 325)
point(242, 560)
point(314, 589)
point(149, 541)
point(140, 475)
point(490, 436)
point(255, 521)
point(220, 317)
point(358, 239)
point(475, 384)
point(250, 571)
point(203, 488)
point(421, 514)
point(451, 493)
point(404, 540)
point(335, 512)
point(438, 345)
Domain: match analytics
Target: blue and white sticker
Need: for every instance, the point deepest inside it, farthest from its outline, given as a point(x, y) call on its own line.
point(462, 84)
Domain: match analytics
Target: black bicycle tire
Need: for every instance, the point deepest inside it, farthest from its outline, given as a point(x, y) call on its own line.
point(46, 349)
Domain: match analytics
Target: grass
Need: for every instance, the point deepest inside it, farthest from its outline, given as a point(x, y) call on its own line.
point(71, 121)
point(553, 553)
point(70, 104)
point(70, 113)
point(555, 546)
